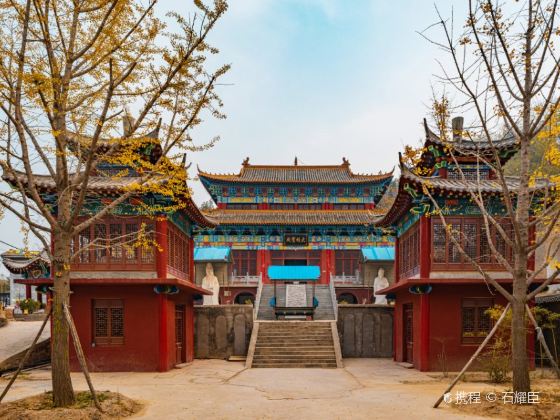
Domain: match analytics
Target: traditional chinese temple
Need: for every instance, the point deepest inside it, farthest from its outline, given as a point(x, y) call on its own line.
point(297, 216)
point(132, 278)
point(440, 298)
point(25, 265)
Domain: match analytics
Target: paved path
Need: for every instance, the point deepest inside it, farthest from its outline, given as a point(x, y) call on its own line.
point(215, 389)
point(18, 335)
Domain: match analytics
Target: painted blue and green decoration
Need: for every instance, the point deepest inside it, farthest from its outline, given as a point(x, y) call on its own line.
point(278, 207)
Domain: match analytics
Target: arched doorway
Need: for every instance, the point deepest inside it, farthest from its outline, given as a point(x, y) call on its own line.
point(245, 298)
point(347, 299)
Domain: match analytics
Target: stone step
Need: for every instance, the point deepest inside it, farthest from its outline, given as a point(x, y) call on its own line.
point(293, 351)
point(296, 338)
point(294, 360)
point(295, 365)
point(268, 347)
point(291, 336)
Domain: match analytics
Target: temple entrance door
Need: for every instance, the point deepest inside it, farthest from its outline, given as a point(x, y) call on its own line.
point(295, 262)
point(408, 335)
point(180, 334)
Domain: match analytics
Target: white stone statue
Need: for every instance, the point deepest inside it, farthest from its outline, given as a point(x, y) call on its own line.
point(210, 282)
point(379, 283)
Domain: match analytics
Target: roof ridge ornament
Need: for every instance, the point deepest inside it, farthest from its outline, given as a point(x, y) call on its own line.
point(295, 161)
point(245, 162)
point(345, 162)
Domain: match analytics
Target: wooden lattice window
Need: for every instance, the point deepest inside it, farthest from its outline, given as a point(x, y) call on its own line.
point(476, 323)
point(131, 252)
point(453, 253)
point(409, 252)
point(244, 262)
point(439, 241)
point(148, 250)
point(114, 243)
point(108, 321)
point(83, 243)
point(346, 262)
point(178, 253)
point(100, 245)
point(115, 232)
point(471, 234)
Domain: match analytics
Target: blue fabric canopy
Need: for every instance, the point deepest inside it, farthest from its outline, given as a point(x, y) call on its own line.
point(379, 253)
point(294, 272)
point(202, 254)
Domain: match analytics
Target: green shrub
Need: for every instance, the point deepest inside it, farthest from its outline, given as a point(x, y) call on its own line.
point(30, 305)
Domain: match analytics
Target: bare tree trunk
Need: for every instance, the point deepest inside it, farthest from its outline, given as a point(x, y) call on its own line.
point(63, 393)
point(520, 361)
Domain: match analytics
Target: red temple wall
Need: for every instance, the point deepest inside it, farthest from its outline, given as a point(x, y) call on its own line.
point(140, 349)
point(146, 347)
point(445, 303)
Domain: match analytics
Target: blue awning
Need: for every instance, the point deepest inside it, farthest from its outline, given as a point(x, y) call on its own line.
point(294, 272)
point(379, 253)
point(202, 254)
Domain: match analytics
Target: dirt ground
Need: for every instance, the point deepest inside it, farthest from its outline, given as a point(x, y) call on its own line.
point(40, 407)
point(216, 389)
point(545, 401)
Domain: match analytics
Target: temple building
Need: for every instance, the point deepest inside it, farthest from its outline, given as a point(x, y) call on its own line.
point(25, 265)
point(440, 298)
point(299, 216)
point(132, 278)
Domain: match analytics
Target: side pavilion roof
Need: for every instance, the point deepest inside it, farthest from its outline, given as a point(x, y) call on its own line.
point(109, 186)
point(396, 206)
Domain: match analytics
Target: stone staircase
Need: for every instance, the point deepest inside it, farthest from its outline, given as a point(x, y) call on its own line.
point(325, 310)
point(294, 344)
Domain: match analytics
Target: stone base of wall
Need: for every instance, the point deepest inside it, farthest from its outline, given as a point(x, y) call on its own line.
point(222, 331)
point(36, 316)
point(41, 355)
point(366, 330)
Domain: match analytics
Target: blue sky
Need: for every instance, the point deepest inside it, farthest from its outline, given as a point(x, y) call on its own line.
point(316, 79)
point(320, 79)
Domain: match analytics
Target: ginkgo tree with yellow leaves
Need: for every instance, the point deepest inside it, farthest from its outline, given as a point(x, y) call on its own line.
point(502, 76)
point(69, 70)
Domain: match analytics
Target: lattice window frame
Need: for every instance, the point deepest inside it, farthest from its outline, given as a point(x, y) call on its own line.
point(475, 323)
point(108, 322)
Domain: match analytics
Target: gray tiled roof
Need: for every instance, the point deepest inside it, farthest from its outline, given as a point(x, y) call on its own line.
point(293, 217)
point(483, 185)
point(326, 174)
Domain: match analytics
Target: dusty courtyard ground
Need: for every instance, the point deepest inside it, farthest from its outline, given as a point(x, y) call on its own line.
point(215, 389)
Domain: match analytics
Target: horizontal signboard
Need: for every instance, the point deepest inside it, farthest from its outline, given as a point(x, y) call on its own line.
point(295, 239)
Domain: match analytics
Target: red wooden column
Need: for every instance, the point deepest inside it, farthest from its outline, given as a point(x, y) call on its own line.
point(396, 264)
point(27, 291)
point(162, 253)
point(425, 262)
point(163, 333)
point(396, 330)
point(424, 332)
point(189, 329)
point(425, 247)
point(328, 265)
point(265, 262)
point(324, 267)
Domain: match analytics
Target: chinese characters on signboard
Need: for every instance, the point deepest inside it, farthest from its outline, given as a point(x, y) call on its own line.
point(295, 239)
